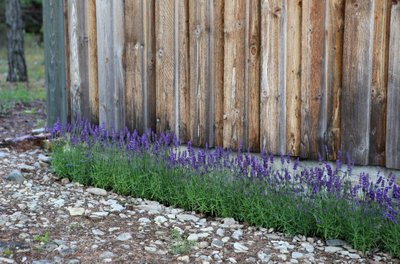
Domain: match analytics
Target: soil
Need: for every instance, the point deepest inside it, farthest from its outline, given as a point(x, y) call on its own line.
point(23, 118)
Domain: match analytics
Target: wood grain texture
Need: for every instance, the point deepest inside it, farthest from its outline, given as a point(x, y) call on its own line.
point(379, 81)
point(53, 15)
point(393, 96)
point(293, 76)
point(313, 111)
point(357, 69)
point(182, 68)
point(139, 64)
point(78, 61)
point(92, 60)
point(217, 69)
point(67, 73)
point(273, 101)
point(334, 11)
point(234, 72)
point(110, 47)
point(200, 85)
point(252, 76)
point(165, 65)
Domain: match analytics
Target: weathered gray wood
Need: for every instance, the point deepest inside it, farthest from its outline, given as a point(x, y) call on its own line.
point(53, 24)
point(273, 108)
point(110, 40)
point(393, 103)
point(78, 61)
point(357, 69)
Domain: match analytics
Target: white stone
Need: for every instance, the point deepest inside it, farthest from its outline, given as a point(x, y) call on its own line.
point(124, 237)
point(332, 249)
point(228, 221)
point(193, 237)
point(297, 255)
point(263, 257)
point(220, 232)
point(97, 232)
point(237, 234)
point(112, 229)
point(144, 220)
point(97, 191)
point(184, 259)
point(160, 219)
point(107, 255)
point(239, 247)
point(75, 211)
point(99, 214)
point(150, 249)
point(187, 217)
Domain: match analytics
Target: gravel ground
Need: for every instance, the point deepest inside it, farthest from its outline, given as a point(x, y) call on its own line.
point(46, 220)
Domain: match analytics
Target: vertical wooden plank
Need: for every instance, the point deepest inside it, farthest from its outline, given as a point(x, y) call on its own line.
point(272, 108)
point(393, 96)
point(333, 72)
point(165, 65)
point(139, 65)
point(252, 107)
point(357, 68)
point(217, 68)
point(110, 45)
point(313, 112)
point(78, 61)
point(134, 56)
point(92, 60)
point(183, 67)
point(234, 71)
point(53, 15)
point(67, 73)
point(379, 82)
point(199, 13)
point(150, 64)
point(293, 76)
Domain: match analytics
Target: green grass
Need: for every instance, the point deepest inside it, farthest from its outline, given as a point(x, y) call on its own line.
point(180, 245)
point(11, 93)
point(44, 238)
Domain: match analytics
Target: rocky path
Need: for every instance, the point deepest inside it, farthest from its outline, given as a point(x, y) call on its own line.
point(44, 220)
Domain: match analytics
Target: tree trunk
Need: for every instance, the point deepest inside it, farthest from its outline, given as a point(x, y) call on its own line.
point(15, 48)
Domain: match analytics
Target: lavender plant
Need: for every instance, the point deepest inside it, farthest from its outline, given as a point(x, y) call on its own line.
point(319, 201)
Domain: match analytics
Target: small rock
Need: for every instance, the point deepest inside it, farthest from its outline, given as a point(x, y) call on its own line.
point(15, 176)
point(297, 255)
point(220, 232)
point(150, 249)
point(99, 214)
point(203, 244)
point(251, 260)
point(184, 259)
point(76, 211)
point(354, 256)
point(239, 247)
point(65, 181)
point(97, 191)
point(44, 158)
point(160, 219)
point(26, 168)
point(332, 249)
point(232, 260)
point(97, 232)
point(193, 237)
point(107, 254)
point(6, 260)
point(124, 237)
point(187, 217)
point(335, 242)
point(263, 257)
point(144, 220)
point(237, 234)
point(217, 243)
point(112, 229)
point(228, 221)
point(3, 154)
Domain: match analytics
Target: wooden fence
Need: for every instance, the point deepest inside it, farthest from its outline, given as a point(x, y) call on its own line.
point(283, 75)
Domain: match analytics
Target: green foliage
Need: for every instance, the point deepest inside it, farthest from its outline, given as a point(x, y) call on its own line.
point(7, 252)
point(44, 238)
point(5, 107)
point(180, 245)
point(214, 193)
